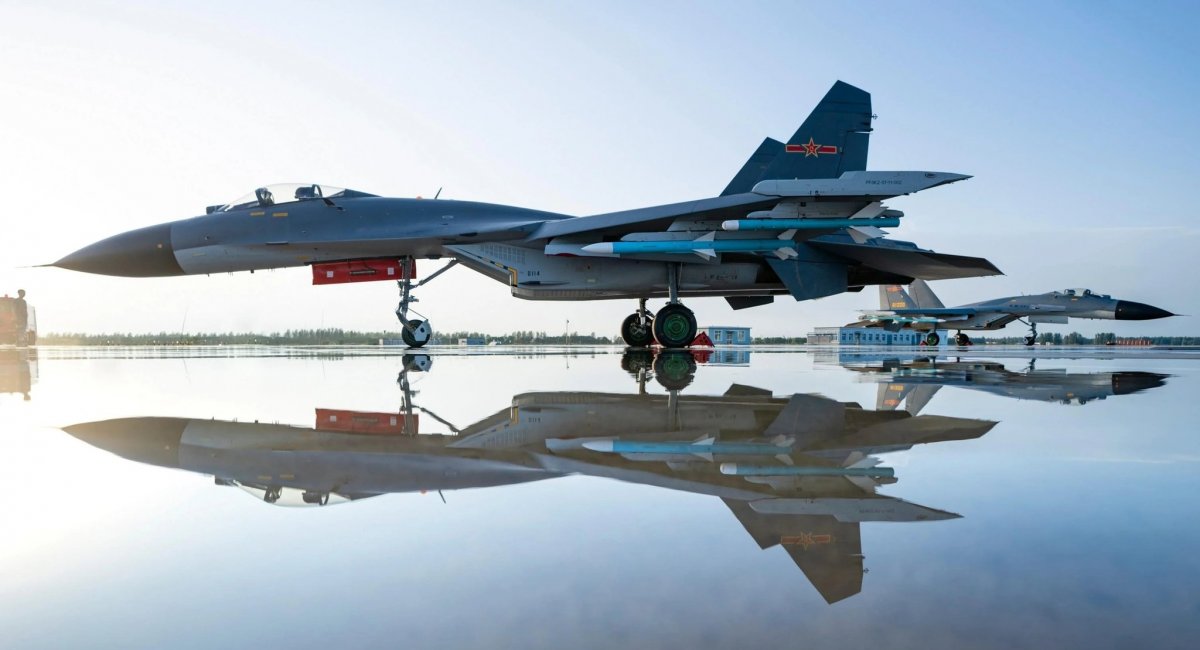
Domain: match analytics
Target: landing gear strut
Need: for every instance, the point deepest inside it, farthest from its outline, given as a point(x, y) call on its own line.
point(961, 339)
point(638, 328)
point(674, 325)
point(415, 332)
point(1031, 337)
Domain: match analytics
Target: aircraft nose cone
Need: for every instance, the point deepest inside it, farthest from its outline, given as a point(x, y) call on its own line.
point(1127, 310)
point(1125, 383)
point(141, 253)
point(146, 440)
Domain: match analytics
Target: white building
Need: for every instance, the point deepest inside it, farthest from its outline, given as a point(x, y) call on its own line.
point(726, 334)
point(870, 336)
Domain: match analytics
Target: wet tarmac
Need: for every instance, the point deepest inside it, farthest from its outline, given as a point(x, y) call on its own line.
point(599, 498)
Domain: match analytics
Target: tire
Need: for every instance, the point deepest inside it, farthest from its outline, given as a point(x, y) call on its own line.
point(674, 369)
point(1030, 340)
point(674, 326)
point(932, 339)
point(410, 338)
point(962, 339)
point(635, 334)
point(637, 360)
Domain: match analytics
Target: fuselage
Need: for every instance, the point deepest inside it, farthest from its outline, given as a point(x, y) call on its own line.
point(304, 232)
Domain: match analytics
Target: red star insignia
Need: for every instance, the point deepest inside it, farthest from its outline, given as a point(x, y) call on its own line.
point(811, 148)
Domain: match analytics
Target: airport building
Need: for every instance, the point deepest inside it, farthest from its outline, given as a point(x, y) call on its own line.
point(868, 336)
point(726, 334)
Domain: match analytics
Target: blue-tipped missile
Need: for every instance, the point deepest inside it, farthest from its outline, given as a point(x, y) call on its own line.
point(697, 448)
point(737, 469)
point(808, 224)
point(705, 246)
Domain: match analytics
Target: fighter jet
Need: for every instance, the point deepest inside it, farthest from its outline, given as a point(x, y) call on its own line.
point(801, 218)
point(796, 471)
point(923, 311)
point(915, 381)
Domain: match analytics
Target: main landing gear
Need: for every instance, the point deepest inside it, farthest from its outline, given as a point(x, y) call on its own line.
point(674, 326)
point(962, 340)
point(932, 339)
point(415, 332)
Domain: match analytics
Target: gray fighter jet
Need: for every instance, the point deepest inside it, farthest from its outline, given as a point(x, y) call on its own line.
point(800, 219)
point(797, 471)
point(915, 381)
point(923, 311)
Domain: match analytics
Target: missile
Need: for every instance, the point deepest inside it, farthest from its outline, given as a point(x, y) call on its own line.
point(697, 448)
point(706, 246)
point(808, 224)
point(737, 469)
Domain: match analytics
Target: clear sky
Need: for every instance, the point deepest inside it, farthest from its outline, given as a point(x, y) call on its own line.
point(1076, 119)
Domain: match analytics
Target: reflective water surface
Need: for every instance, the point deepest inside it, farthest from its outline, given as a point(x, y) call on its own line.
point(550, 498)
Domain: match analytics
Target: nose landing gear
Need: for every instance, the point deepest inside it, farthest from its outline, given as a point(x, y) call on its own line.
point(415, 332)
point(638, 328)
point(1031, 337)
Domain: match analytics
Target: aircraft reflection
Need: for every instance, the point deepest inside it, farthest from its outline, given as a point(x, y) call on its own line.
point(798, 471)
point(18, 371)
point(915, 381)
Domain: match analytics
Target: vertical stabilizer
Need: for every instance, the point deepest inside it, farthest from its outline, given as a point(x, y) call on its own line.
point(924, 296)
point(893, 296)
point(832, 140)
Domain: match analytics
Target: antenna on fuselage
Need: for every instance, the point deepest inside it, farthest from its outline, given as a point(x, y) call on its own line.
point(439, 193)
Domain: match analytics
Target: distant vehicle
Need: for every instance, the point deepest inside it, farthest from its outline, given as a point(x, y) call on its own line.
point(923, 311)
point(18, 322)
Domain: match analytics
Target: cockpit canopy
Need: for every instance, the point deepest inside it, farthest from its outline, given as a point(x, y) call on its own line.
point(1082, 293)
point(280, 193)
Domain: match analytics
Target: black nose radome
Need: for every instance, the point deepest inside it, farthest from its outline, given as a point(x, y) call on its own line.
point(1127, 310)
point(146, 440)
point(1124, 383)
point(141, 253)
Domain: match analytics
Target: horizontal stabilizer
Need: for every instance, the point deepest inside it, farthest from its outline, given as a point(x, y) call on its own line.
point(910, 262)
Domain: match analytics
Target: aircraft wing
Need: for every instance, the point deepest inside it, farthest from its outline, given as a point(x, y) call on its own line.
point(659, 217)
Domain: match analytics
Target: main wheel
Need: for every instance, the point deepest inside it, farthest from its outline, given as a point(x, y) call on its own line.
point(933, 339)
point(1030, 340)
point(962, 339)
point(674, 369)
point(418, 335)
point(674, 326)
point(636, 333)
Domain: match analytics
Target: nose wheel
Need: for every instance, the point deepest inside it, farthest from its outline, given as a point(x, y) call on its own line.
point(415, 332)
point(638, 328)
point(1031, 337)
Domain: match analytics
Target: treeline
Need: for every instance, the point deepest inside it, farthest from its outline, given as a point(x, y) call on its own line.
point(1101, 338)
point(331, 336)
